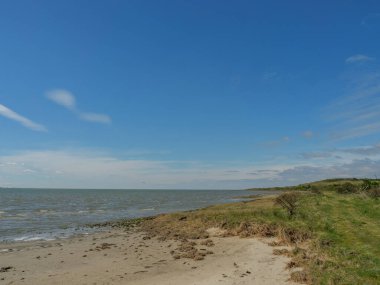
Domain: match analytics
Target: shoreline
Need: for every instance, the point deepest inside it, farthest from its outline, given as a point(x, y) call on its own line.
point(41, 217)
point(79, 230)
point(123, 252)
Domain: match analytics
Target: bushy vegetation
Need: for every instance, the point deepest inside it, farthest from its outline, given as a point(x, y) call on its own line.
point(347, 188)
point(289, 201)
point(374, 193)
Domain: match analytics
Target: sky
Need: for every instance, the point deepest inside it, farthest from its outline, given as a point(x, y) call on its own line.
point(188, 94)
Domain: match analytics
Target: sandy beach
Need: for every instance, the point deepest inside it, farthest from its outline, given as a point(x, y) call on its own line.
point(120, 257)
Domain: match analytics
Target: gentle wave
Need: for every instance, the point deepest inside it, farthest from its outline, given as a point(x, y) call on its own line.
point(32, 238)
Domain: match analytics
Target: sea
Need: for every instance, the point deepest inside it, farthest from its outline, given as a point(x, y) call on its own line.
point(48, 214)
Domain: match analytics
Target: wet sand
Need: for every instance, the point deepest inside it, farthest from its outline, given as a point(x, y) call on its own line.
point(118, 257)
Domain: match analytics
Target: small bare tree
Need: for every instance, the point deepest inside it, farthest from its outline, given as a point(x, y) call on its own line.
point(288, 201)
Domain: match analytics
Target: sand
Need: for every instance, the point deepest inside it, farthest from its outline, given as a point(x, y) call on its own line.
point(117, 257)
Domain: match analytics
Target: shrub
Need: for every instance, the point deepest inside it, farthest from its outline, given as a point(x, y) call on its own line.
point(346, 188)
point(315, 190)
point(374, 193)
point(289, 201)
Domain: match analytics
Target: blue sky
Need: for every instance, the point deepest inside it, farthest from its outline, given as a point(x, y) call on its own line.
point(188, 94)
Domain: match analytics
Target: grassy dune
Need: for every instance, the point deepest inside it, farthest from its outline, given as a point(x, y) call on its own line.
point(336, 237)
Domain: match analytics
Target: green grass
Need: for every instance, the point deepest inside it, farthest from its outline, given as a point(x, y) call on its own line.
point(336, 236)
point(346, 229)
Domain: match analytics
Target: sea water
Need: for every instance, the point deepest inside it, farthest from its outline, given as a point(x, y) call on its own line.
point(47, 214)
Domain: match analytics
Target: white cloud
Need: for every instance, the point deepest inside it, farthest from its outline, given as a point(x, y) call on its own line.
point(62, 97)
point(8, 113)
point(97, 118)
point(67, 99)
point(359, 58)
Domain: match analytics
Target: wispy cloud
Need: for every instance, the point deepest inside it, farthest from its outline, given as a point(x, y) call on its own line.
point(308, 134)
point(316, 155)
point(343, 154)
point(63, 98)
point(359, 58)
point(8, 113)
point(358, 113)
point(97, 118)
point(365, 151)
point(66, 99)
point(357, 132)
point(275, 143)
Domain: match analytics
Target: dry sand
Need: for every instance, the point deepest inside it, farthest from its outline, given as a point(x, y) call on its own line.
point(118, 257)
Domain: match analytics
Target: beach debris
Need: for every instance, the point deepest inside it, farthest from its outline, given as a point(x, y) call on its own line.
point(187, 249)
point(104, 246)
point(291, 264)
point(276, 243)
point(283, 251)
point(6, 268)
point(300, 277)
point(176, 256)
point(207, 242)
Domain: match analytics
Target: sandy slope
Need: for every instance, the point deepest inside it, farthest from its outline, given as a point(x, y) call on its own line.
point(126, 258)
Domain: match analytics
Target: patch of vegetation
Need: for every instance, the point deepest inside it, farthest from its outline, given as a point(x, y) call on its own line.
point(374, 193)
point(123, 223)
point(347, 188)
point(289, 201)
